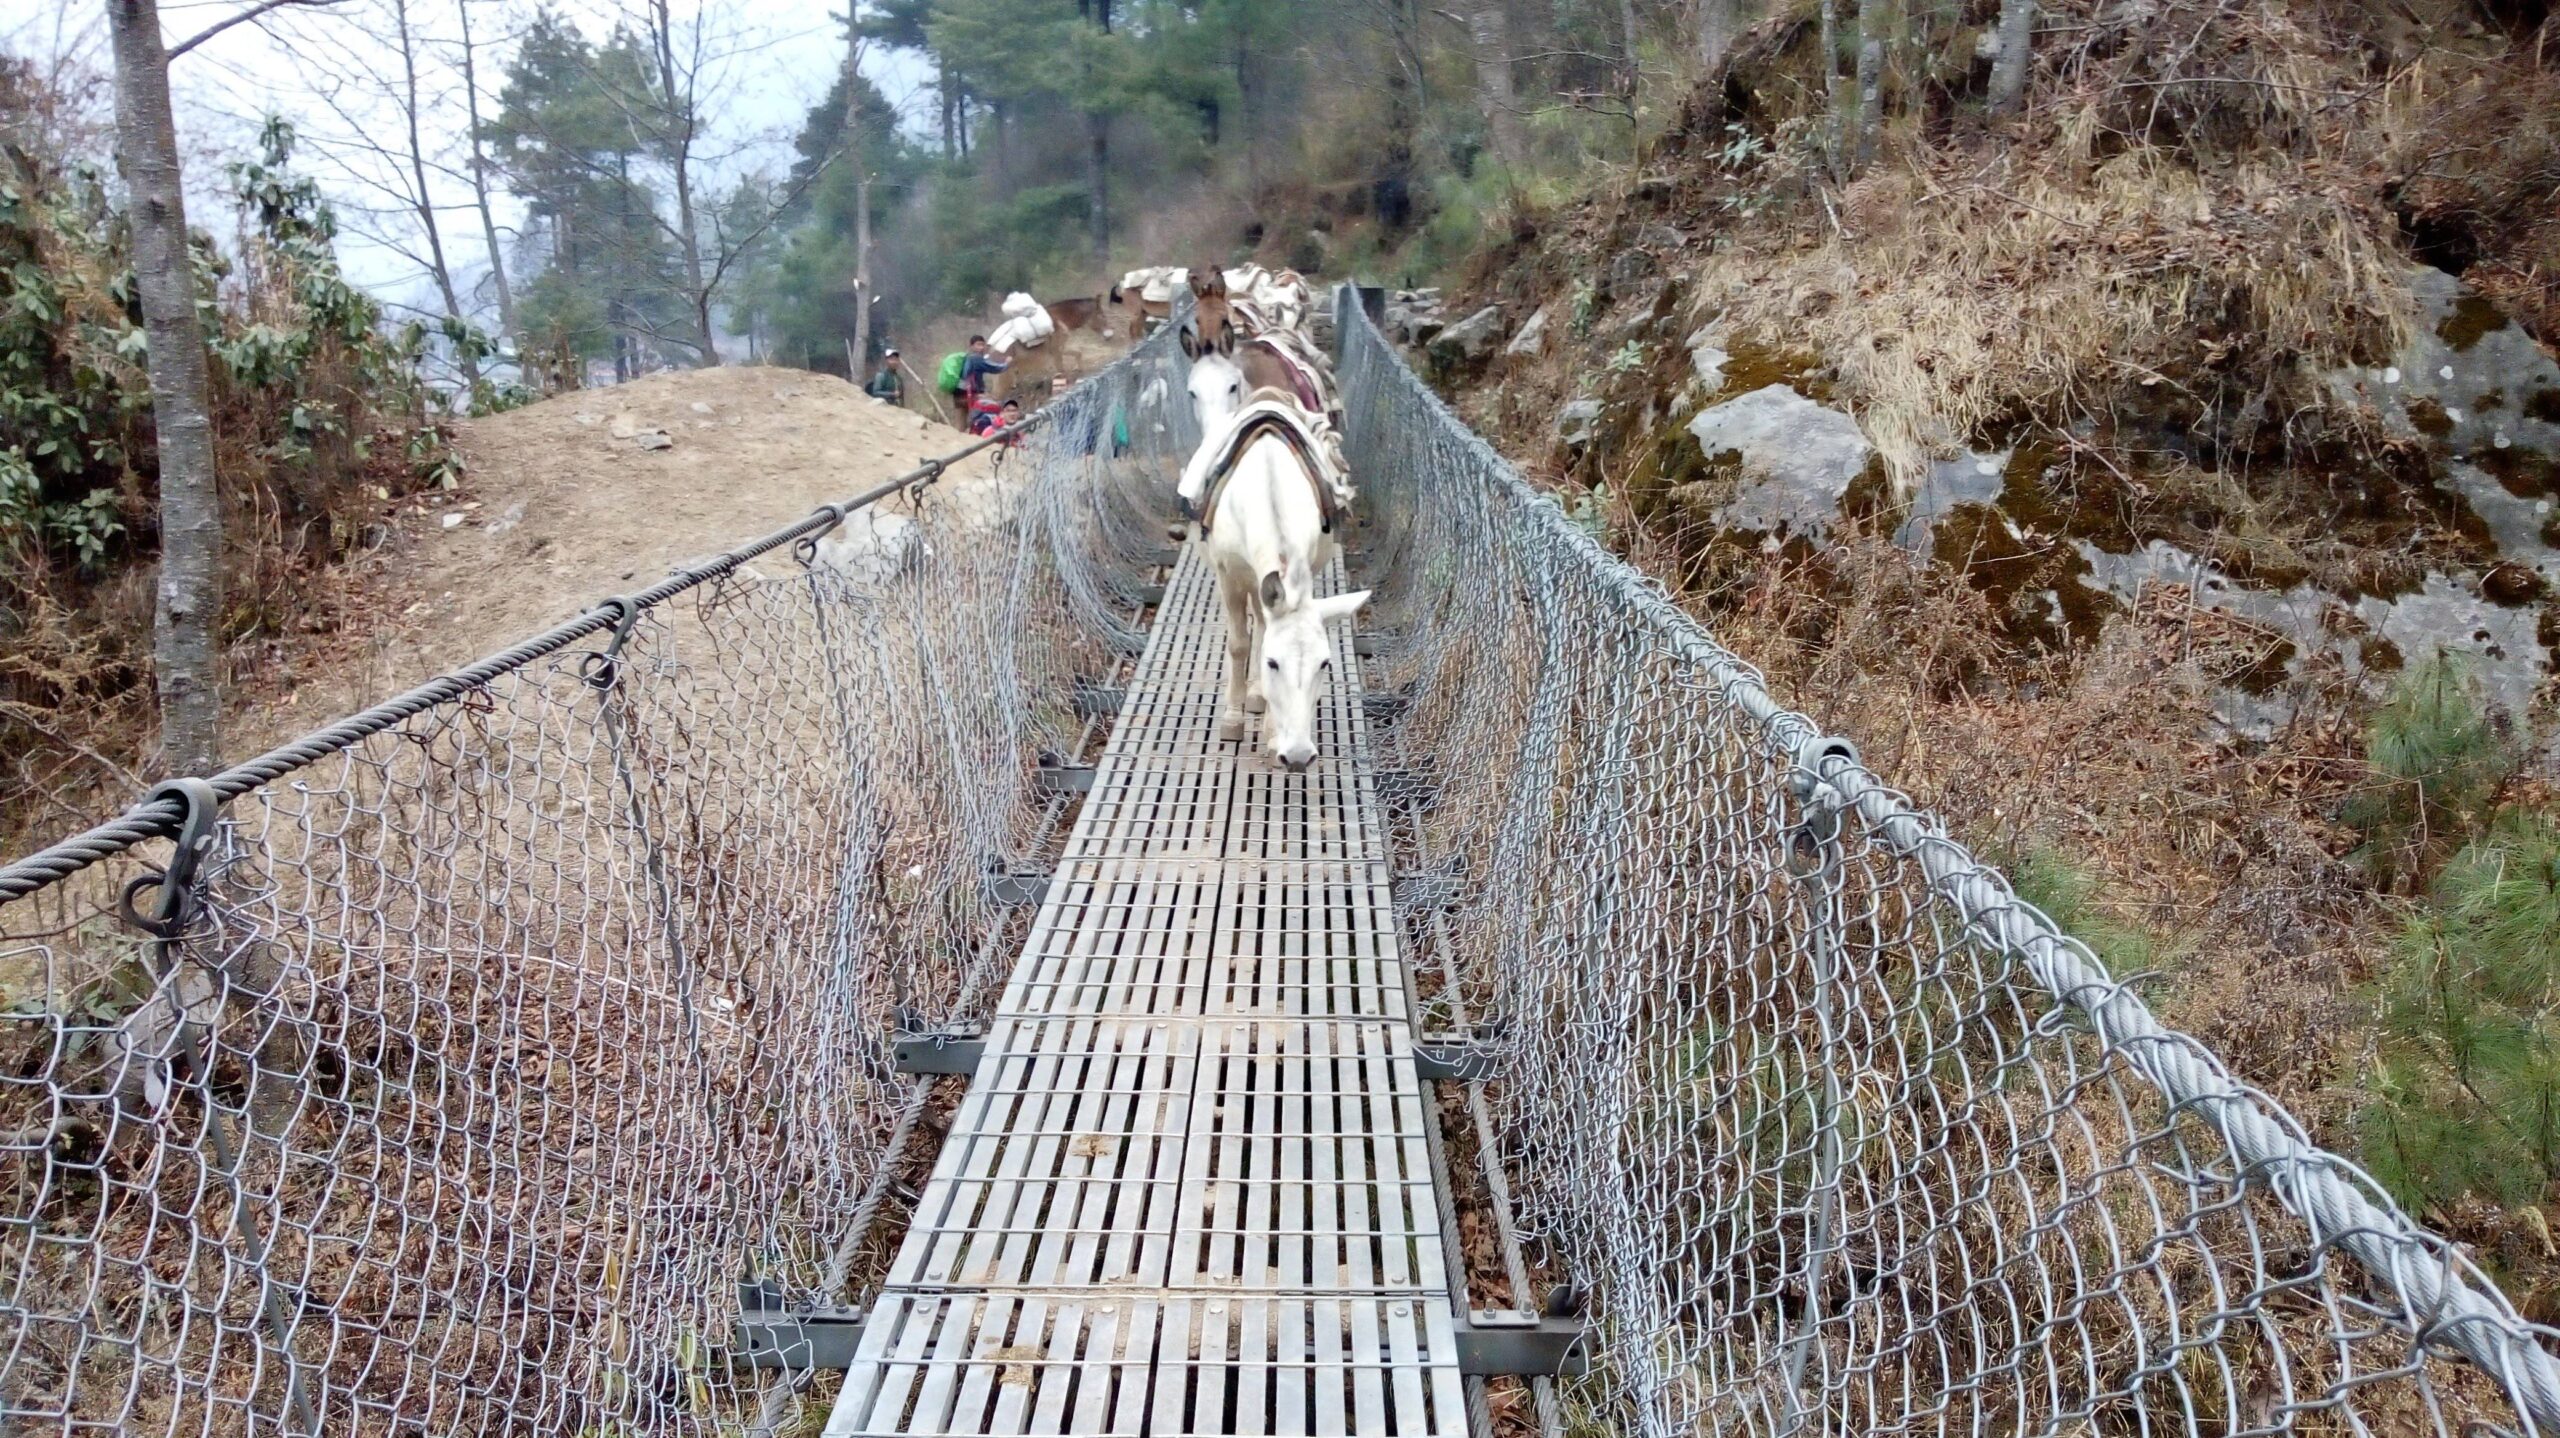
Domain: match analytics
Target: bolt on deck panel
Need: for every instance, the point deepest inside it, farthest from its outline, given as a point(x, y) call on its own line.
point(1190, 1189)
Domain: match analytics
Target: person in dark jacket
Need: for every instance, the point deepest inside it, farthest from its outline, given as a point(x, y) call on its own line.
point(983, 364)
point(887, 385)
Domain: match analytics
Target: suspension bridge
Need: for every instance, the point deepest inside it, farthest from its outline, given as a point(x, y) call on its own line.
point(787, 1001)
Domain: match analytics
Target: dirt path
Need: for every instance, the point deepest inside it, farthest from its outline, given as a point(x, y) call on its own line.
point(568, 501)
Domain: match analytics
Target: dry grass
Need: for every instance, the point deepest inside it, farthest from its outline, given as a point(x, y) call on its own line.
point(2204, 209)
point(2186, 233)
point(1971, 299)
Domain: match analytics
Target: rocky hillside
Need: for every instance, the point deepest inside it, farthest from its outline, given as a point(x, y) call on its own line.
point(2159, 483)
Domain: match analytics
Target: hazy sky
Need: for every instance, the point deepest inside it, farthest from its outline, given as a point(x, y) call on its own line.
point(334, 73)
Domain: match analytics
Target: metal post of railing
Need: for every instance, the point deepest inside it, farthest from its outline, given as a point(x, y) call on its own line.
point(1814, 860)
point(178, 903)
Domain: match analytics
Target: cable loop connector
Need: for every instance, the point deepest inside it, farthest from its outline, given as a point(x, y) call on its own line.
point(1813, 844)
point(805, 548)
point(601, 668)
point(176, 883)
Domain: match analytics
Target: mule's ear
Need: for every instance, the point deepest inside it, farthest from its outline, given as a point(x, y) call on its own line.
point(1272, 590)
point(1226, 336)
point(1115, 294)
point(1341, 606)
point(1190, 344)
point(1207, 280)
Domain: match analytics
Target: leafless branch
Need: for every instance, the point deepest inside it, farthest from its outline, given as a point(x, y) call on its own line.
point(245, 16)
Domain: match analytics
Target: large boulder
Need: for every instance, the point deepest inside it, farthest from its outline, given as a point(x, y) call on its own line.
point(1796, 460)
point(1470, 340)
point(1532, 338)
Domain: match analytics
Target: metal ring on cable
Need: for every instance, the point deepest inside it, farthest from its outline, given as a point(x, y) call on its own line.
point(601, 667)
point(805, 548)
point(176, 883)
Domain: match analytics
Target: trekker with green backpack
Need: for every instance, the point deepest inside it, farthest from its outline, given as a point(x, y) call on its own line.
point(948, 379)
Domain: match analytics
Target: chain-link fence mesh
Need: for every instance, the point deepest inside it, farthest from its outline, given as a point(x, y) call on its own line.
point(517, 1021)
point(514, 1024)
point(1841, 1135)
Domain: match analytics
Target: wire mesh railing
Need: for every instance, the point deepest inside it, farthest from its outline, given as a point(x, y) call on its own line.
point(455, 1063)
point(1840, 1134)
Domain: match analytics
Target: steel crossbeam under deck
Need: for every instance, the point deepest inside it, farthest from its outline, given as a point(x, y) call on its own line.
point(1190, 1189)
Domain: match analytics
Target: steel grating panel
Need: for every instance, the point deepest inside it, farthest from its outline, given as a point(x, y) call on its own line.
point(1190, 1189)
point(1306, 1167)
point(1062, 1164)
point(1307, 1366)
point(1322, 813)
point(1161, 936)
point(1165, 1367)
point(1306, 941)
point(1152, 805)
point(1127, 937)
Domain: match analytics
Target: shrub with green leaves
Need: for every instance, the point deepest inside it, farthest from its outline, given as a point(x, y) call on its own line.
point(2467, 1095)
point(317, 408)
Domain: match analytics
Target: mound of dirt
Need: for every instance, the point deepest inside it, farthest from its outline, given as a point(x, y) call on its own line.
point(591, 494)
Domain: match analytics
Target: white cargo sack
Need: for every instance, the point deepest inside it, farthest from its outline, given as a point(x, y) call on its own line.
point(1157, 283)
point(1026, 325)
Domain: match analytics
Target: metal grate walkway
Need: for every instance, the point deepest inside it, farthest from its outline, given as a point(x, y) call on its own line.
point(1190, 1189)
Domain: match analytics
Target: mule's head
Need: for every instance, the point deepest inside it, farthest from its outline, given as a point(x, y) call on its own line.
point(1212, 326)
point(1297, 659)
point(1217, 389)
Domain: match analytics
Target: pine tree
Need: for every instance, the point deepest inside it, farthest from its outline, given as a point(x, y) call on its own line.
point(2468, 1091)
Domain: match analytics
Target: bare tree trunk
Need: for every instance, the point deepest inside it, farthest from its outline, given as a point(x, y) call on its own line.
point(1405, 104)
point(1830, 42)
point(1488, 26)
point(1244, 69)
point(862, 265)
point(1871, 32)
point(861, 162)
point(1098, 177)
point(950, 96)
point(996, 156)
point(185, 648)
point(2009, 68)
point(680, 116)
point(1627, 25)
point(617, 308)
point(1715, 34)
point(480, 180)
point(426, 204)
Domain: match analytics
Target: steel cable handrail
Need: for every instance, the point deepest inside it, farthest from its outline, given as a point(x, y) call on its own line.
point(159, 818)
point(2444, 1302)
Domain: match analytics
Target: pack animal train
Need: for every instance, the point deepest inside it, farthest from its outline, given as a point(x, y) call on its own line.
point(1269, 494)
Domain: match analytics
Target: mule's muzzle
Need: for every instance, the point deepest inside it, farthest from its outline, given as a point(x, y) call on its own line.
point(1297, 763)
